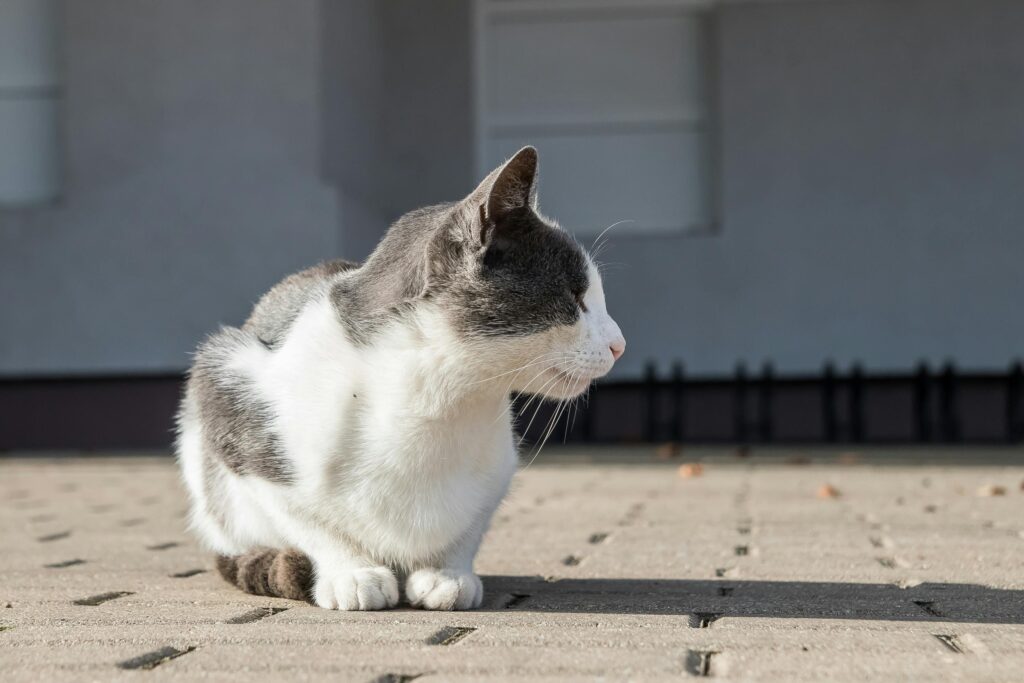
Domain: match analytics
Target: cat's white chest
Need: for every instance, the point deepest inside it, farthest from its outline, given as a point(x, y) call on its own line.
point(428, 480)
point(385, 464)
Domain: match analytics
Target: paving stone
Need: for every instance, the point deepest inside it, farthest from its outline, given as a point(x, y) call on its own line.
point(603, 564)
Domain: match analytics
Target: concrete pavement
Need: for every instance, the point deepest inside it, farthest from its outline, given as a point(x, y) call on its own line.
point(594, 569)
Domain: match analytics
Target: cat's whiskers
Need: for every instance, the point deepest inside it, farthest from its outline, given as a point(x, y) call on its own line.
point(605, 231)
point(533, 396)
point(536, 392)
point(603, 266)
point(568, 418)
point(556, 416)
point(573, 411)
point(539, 397)
point(576, 408)
point(526, 406)
point(596, 246)
point(561, 408)
point(512, 399)
point(540, 404)
point(539, 359)
point(552, 423)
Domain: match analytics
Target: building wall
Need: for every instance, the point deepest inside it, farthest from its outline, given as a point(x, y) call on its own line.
point(193, 144)
point(871, 195)
point(870, 180)
point(396, 114)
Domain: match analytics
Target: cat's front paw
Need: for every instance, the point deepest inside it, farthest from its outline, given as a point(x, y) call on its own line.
point(444, 589)
point(357, 589)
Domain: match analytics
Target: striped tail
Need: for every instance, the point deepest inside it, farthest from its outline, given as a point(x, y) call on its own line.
point(270, 572)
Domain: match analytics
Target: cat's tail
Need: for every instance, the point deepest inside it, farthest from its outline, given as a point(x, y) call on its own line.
point(270, 572)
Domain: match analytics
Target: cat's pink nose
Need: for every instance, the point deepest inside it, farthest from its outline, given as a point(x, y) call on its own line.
point(618, 347)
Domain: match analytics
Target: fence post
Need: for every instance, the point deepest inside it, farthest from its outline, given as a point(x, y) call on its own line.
point(678, 402)
point(856, 403)
point(1014, 387)
point(829, 415)
point(740, 404)
point(922, 402)
point(765, 395)
point(651, 391)
point(948, 403)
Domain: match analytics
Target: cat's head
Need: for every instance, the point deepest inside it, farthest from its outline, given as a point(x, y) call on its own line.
point(524, 298)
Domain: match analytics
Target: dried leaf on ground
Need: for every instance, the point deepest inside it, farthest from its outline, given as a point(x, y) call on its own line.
point(690, 470)
point(828, 491)
point(849, 458)
point(989, 490)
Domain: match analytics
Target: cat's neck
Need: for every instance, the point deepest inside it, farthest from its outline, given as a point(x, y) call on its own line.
point(439, 380)
point(437, 400)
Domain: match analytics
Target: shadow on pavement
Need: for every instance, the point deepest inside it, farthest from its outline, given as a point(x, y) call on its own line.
point(939, 602)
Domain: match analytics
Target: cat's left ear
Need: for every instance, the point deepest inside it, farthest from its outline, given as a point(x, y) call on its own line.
point(508, 187)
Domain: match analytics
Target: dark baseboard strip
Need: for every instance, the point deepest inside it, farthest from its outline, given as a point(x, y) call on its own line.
point(137, 412)
point(88, 413)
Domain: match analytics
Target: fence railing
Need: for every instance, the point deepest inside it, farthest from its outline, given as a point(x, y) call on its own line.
point(925, 405)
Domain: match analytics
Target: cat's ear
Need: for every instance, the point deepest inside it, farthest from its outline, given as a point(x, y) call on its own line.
point(508, 187)
point(515, 184)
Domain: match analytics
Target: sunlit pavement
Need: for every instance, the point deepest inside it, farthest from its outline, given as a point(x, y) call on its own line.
point(781, 565)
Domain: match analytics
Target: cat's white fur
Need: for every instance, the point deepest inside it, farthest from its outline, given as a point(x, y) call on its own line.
point(401, 451)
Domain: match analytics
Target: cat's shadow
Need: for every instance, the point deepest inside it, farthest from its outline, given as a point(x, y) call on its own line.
point(710, 600)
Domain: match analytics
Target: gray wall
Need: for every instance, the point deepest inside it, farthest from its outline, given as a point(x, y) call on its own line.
point(870, 181)
point(872, 175)
point(397, 111)
point(212, 148)
point(192, 154)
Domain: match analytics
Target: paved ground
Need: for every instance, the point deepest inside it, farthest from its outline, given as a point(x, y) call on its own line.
point(593, 570)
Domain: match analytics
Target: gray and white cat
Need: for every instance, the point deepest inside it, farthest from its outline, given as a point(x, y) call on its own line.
point(357, 428)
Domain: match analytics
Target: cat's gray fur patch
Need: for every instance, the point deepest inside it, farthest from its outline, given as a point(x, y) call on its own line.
point(269, 572)
point(237, 423)
point(277, 309)
point(396, 273)
point(530, 280)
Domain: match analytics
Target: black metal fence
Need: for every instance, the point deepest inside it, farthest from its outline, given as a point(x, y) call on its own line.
point(926, 405)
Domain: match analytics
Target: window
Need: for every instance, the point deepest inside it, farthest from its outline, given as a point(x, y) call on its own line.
point(615, 95)
point(29, 102)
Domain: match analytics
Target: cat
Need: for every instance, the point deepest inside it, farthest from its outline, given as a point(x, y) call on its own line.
point(357, 428)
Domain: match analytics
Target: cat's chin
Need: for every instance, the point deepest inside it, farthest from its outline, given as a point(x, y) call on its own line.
point(565, 385)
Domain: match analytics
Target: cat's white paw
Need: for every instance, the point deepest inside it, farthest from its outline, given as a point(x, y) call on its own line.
point(444, 589)
point(357, 589)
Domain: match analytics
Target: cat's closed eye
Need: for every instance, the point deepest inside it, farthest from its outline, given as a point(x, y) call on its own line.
point(579, 301)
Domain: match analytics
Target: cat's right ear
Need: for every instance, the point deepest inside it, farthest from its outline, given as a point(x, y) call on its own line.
point(513, 185)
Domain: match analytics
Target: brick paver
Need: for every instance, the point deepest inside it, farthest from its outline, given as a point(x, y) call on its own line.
point(593, 570)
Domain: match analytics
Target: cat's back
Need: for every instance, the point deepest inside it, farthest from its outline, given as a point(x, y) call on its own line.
point(276, 310)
